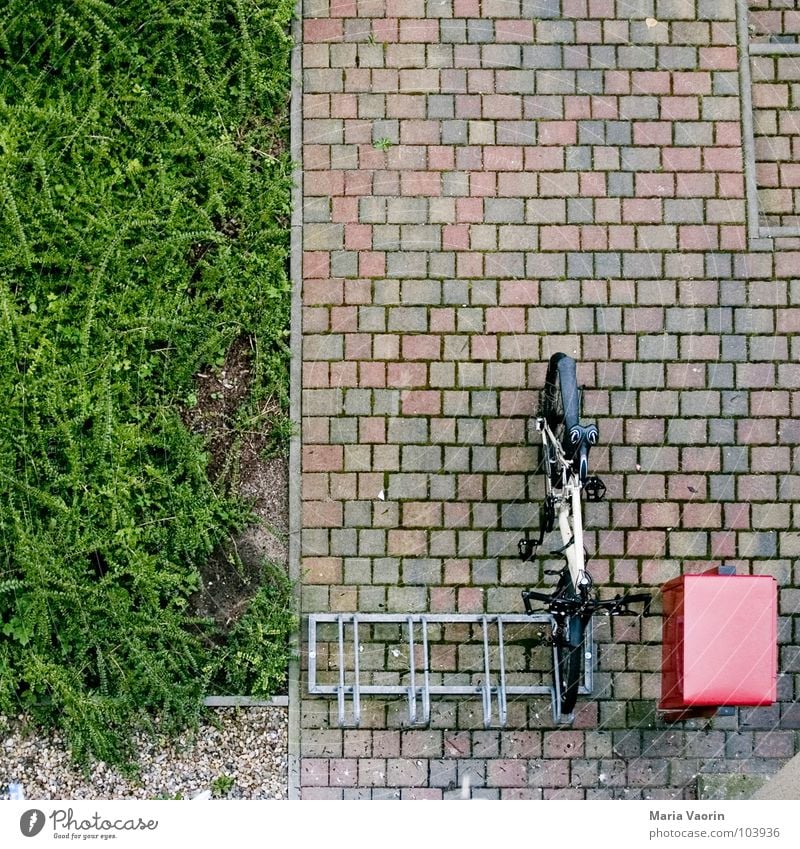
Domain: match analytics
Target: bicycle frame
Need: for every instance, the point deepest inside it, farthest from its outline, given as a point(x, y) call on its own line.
point(566, 501)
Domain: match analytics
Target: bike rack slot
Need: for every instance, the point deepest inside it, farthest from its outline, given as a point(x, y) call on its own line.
point(494, 690)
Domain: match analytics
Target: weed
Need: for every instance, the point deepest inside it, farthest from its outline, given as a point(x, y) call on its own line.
point(221, 786)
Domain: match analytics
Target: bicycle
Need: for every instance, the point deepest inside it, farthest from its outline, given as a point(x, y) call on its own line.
point(564, 460)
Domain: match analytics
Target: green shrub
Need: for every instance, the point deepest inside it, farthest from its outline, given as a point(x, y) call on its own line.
point(144, 210)
point(256, 654)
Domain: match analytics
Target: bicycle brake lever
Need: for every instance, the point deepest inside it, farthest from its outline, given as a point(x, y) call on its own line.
point(643, 598)
point(619, 606)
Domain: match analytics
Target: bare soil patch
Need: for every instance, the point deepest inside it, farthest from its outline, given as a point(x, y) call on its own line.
point(231, 576)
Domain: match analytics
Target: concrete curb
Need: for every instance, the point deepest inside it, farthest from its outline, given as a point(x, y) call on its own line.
point(295, 379)
point(245, 701)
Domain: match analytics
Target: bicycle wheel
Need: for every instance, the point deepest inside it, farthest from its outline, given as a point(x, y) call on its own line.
point(560, 404)
point(568, 657)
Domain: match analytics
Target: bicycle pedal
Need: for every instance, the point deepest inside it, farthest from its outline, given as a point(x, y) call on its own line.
point(527, 549)
point(595, 489)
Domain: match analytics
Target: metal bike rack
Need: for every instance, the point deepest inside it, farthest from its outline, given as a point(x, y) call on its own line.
point(494, 689)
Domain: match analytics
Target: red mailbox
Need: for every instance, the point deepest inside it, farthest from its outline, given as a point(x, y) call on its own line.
point(719, 642)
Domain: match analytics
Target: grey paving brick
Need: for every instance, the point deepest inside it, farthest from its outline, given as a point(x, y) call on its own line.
point(658, 347)
point(607, 265)
point(386, 402)
point(579, 211)
point(371, 319)
point(456, 459)
point(555, 31)
point(618, 132)
point(722, 487)
point(721, 375)
point(386, 237)
point(705, 308)
point(686, 319)
point(372, 210)
point(602, 56)
point(344, 55)
point(344, 431)
point(419, 570)
point(358, 570)
point(315, 541)
point(317, 210)
point(590, 82)
point(769, 349)
point(674, 58)
point(427, 458)
point(441, 106)
point(442, 265)
point(542, 56)
point(719, 320)
point(754, 320)
point(640, 158)
point(546, 211)
point(644, 375)
point(407, 486)
point(644, 265)
point(543, 9)
point(408, 430)
point(555, 81)
point(344, 542)
point(504, 211)
point(406, 599)
point(515, 132)
point(453, 31)
point(694, 133)
point(719, 265)
point(344, 263)
point(591, 132)
point(638, 56)
point(480, 30)
point(407, 319)
point(620, 184)
point(323, 237)
point(356, 402)
point(720, 431)
point(407, 264)
point(720, 109)
point(504, 56)
point(579, 158)
point(684, 211)
point(580, 265)
point(485, 572)
point(642, 107)
point(455, 184)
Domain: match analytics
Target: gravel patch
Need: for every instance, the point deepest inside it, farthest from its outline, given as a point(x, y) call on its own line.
point(236, 753)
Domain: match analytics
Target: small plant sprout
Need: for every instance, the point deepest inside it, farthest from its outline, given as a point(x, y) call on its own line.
point(222, 785)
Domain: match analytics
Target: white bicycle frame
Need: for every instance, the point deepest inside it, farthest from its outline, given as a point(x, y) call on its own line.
point(566, 501)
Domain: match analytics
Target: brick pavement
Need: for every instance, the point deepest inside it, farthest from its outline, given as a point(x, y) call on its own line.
point(486, 183)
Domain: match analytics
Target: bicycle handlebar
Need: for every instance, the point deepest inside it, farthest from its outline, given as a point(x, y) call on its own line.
point(559, 604)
